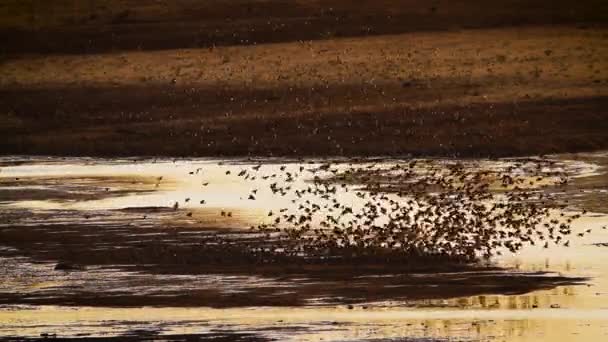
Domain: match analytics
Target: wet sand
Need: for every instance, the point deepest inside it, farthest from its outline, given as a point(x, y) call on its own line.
point(127, 252)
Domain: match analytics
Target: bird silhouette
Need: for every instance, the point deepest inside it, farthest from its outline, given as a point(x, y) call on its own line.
point(419, 207)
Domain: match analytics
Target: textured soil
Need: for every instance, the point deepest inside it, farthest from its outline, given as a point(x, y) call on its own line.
point(214, 78)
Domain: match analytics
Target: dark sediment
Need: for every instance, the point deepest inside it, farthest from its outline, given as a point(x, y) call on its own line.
point(169, 121)
point(168, 260)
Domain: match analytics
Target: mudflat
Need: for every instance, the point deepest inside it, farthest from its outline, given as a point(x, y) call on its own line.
point(356, 228)
point(304, 78)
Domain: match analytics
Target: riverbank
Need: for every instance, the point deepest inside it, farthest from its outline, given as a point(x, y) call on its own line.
point(487, 92)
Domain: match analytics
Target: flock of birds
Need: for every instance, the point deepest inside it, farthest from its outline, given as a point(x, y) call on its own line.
point(418, 208)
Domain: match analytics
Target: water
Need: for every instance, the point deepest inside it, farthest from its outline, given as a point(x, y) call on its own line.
point(125, 197)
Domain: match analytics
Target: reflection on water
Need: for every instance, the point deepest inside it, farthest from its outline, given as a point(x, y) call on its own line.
point(333, 324)
point(144, 192)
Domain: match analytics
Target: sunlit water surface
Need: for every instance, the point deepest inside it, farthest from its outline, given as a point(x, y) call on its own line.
point(562, 314)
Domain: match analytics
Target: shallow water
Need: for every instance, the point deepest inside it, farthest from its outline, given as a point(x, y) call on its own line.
point(95, 192)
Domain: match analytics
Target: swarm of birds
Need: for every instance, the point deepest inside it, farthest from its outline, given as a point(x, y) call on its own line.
point(417, 208)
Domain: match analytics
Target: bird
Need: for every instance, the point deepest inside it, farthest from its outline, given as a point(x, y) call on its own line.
point(417, 206)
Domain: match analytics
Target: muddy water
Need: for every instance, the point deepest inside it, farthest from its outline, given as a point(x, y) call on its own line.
point(43, 191)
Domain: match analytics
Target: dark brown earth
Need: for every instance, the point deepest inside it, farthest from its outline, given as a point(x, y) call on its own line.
point(105, 245)
point(102, 25)
point(151, 335)
point(78, 188)
point(304, 78)
point(50, 125)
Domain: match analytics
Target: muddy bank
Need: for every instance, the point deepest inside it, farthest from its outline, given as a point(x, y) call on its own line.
point(102, 26)
point(71, 188)
point(477, 130)
point(491, 92)
point(122, 264)
point(152, 335)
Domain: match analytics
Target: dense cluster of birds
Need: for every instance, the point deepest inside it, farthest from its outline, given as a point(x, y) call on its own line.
point(417, 208)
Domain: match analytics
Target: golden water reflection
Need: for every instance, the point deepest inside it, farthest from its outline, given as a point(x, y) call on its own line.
point(568, 313)
point(311, 324)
